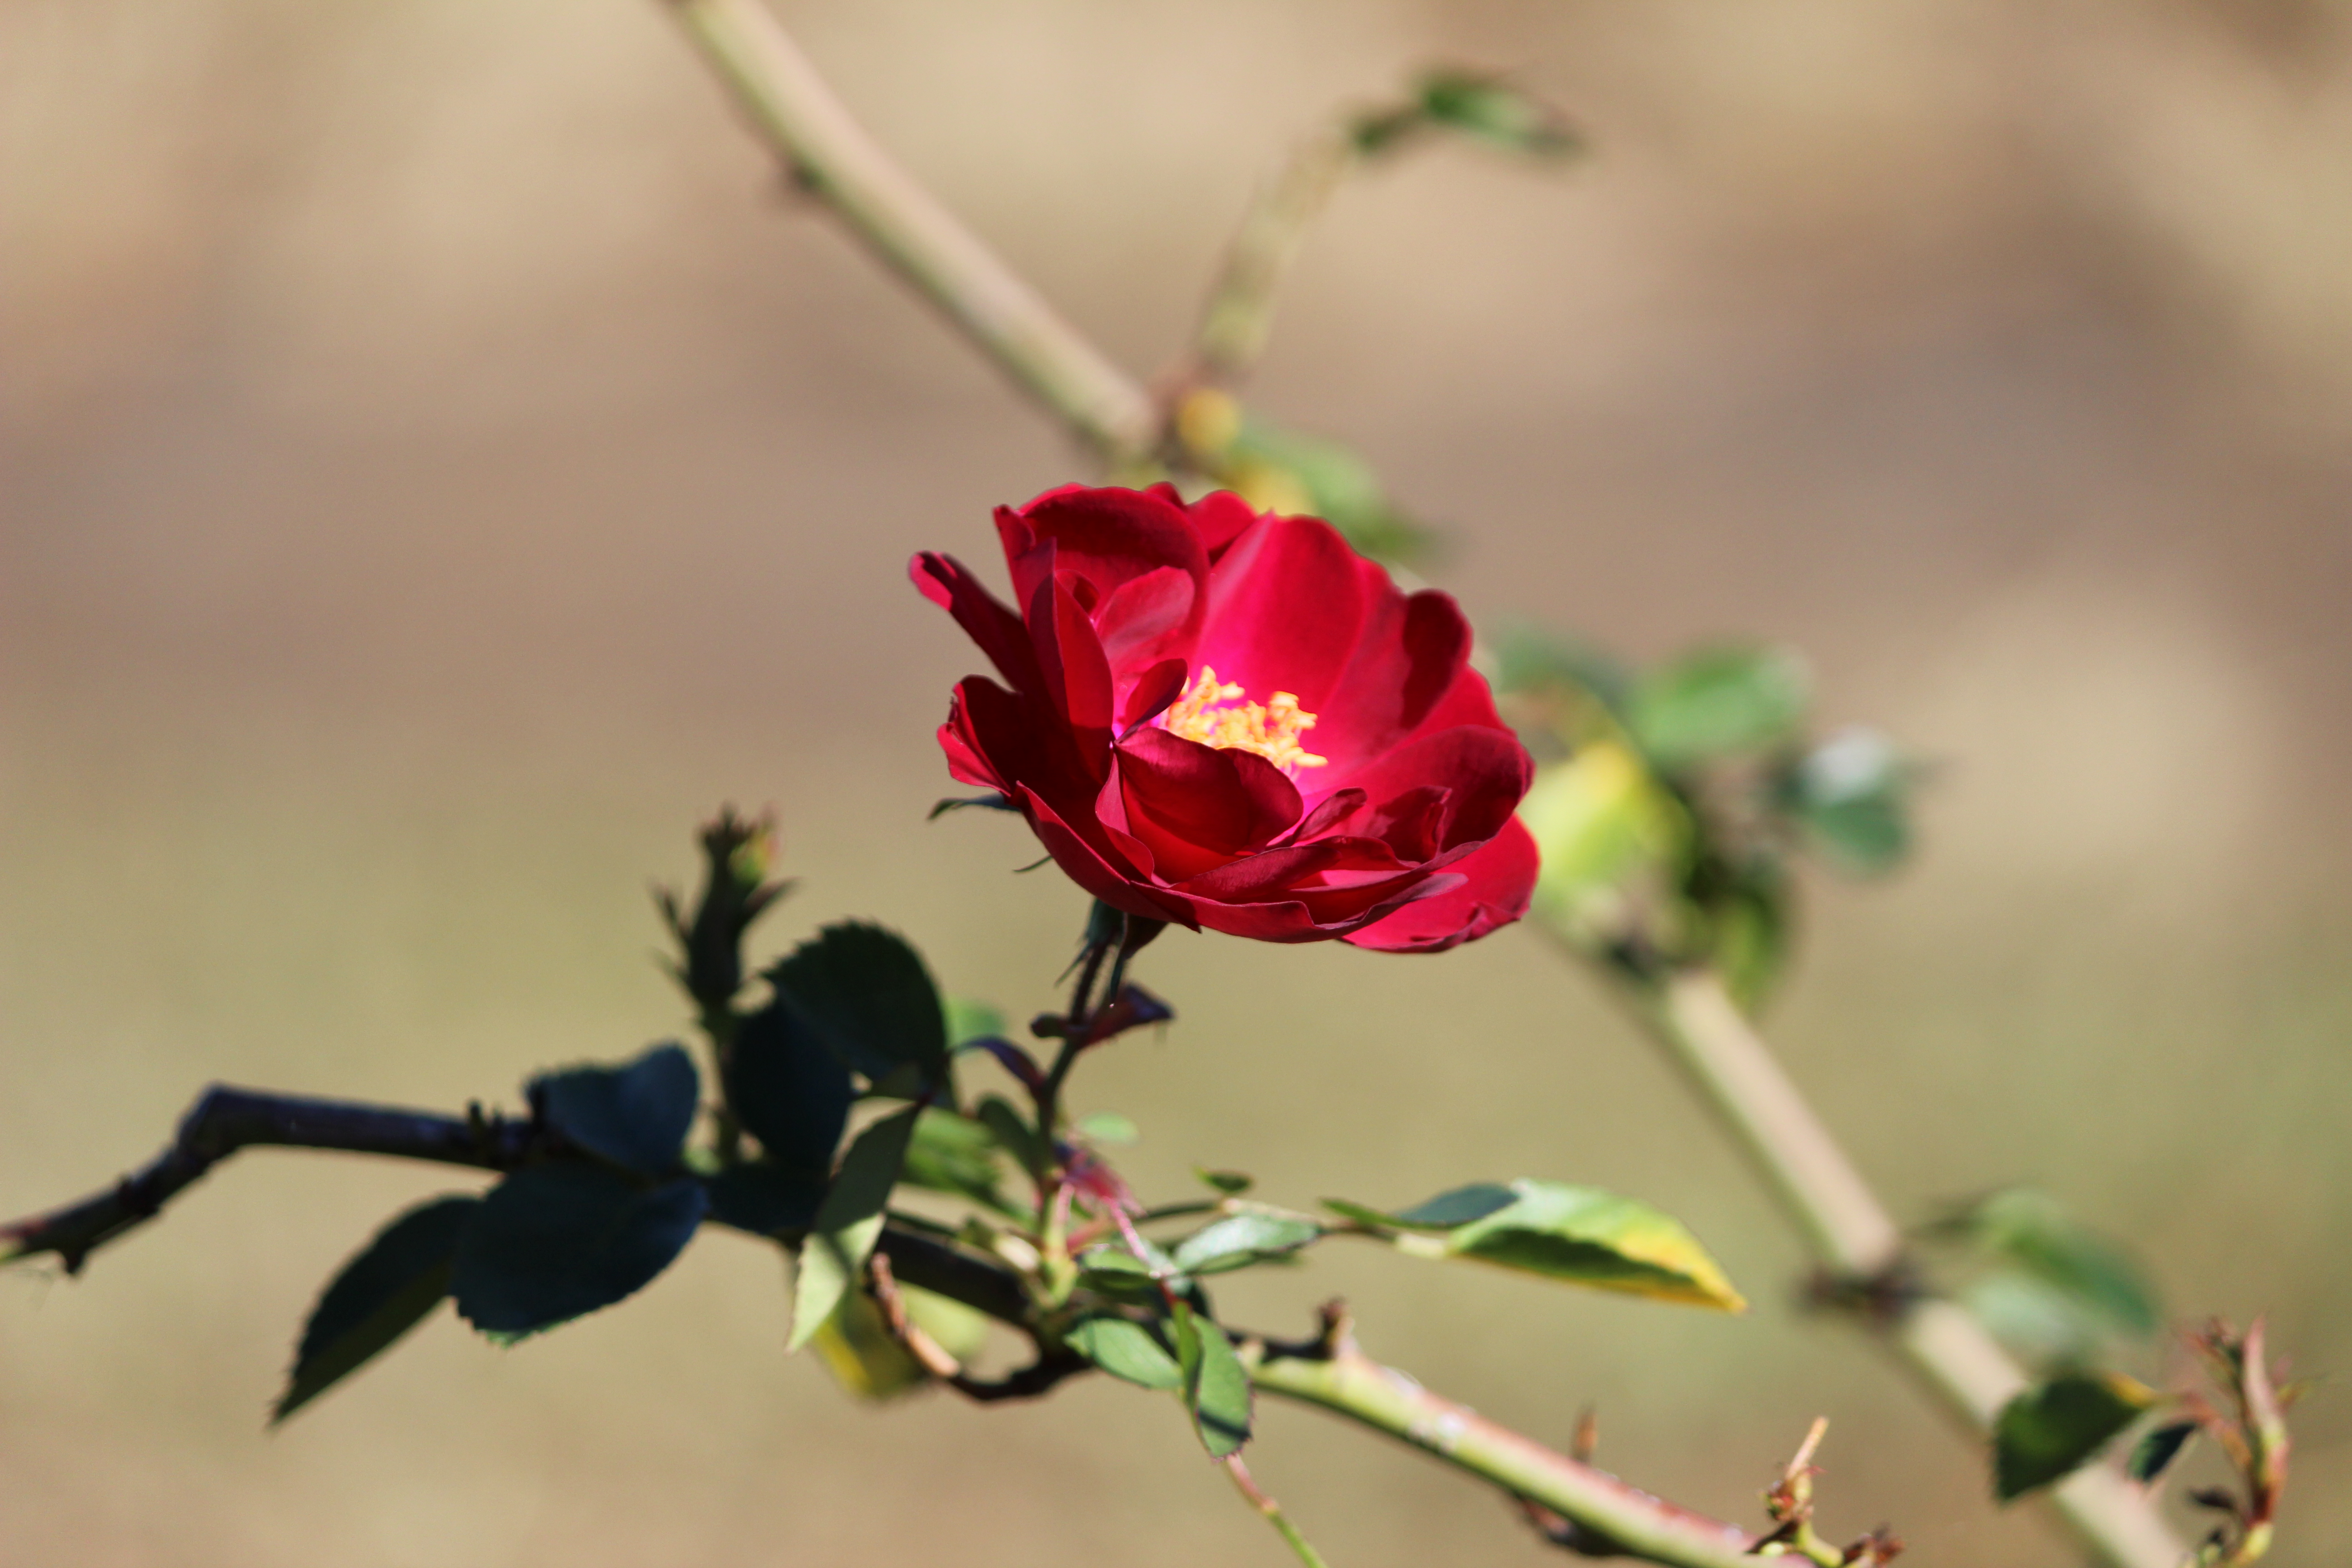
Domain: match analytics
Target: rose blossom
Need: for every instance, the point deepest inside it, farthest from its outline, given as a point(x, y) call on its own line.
point(1231, 720)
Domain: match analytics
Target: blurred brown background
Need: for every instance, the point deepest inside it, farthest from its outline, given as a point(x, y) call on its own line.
point(441, 464)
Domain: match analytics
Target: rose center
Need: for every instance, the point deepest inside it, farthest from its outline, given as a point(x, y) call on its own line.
point(1219, 714)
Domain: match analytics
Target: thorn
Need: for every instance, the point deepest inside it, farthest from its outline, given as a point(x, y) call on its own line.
point(1587, 1439)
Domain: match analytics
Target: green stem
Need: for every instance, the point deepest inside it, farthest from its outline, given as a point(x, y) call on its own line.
point(1270, 1511)
point(831, 157)
point(1692, 1015)
point(1625, 1519)
point(1240, 309)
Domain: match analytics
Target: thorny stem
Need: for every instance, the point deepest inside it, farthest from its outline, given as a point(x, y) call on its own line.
point(224, 1121)
point(831, 157)
point(1328, 1373)
point(791, 108)
point(1610, 1517)
point(1270, 1511)
point(1692, 1014)
point(1240, 309)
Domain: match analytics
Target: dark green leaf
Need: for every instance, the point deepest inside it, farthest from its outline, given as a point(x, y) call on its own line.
point(789, 1088)
point(1239, 1240)
point(1443, 1212)
point(959, 803)
point(1748, 929)
point(1227, 1181)
point(1126, 1349)
point(1852, 793)
point(1717, 702)
point(554, 1241)
point(635, 1116)
point(1217, 1385)
point(2032, 1232)
point(952, 1154)
point(1529, 660)
point(866, 992)
point(378, 1296)
point(2047, 1432)
point(763, 1198)
point(1013, 1134)
point(2153, 1454)
point(848, 1222)
point(1493, 111)
point(1116, 1272)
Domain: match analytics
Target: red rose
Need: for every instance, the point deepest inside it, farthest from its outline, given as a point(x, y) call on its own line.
point(1233, 721)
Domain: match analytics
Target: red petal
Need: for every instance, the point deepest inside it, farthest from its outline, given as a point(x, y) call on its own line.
point(1219, 518)
point(1023, 742)
point(1327, 814)
point(1106, 536)
point(1499, 879)
point(1153, 690)
point(945, 582)
point(1487, 771)
point(1286, 605)
point(1096, 874)
point(1070, 655)
point(1411, 654)
point(1147, 618)
point(1197, 807)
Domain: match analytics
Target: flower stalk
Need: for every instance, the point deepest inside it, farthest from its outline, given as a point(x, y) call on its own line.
point(1328, 1373)
point(790, 105)
point(832, 158)
point(1693, 1016)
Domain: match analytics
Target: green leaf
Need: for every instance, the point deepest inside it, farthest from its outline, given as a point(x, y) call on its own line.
point(1443, 1212)
point(967, 1020)
point(1493, 110)
point(2153, 1454)
point(557, 1240)
point(869, 997)
point(1230, 1183)
point(1126, 1349)
point(848, 1222)
point(2048, 1432)
point(1107, 1127)
point(865, 1357)
point(1746, 913)
point(1013, 1134)
point(635, 1116)
point(789, 1088)
point(1111, 1270)
point(1216, 1386)
point(763, 1198)
point(382, 1293)
point(1283, 471)
point(1852, 794)
point(2031, 1231)
point(1239, 1240)
point(2040, 1324)
point(952, 1154)
point(959, 803)
point(1581, 1235)
point(1528, 658)
point(1719, 701)
point(1600, 822)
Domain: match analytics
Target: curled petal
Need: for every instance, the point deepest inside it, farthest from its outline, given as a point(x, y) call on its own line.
point(1497, 881)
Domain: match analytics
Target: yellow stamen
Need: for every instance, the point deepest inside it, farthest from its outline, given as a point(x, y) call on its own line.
point(1271, 731)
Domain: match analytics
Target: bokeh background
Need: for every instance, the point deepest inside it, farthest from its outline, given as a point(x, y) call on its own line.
point(442, 463)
